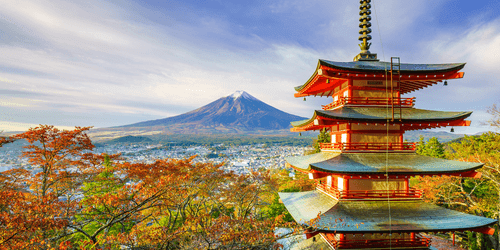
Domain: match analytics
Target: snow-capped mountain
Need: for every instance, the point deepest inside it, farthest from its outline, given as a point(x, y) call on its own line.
point(239, 110)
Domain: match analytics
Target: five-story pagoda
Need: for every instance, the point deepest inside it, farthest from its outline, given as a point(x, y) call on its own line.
point(363, 198)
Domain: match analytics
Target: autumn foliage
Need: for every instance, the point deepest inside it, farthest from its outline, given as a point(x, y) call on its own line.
point(76, 199)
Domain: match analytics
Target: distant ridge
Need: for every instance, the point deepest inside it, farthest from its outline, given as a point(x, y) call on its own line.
point(237, 112)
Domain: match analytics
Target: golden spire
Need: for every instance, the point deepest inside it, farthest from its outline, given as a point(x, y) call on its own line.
point(364, 24)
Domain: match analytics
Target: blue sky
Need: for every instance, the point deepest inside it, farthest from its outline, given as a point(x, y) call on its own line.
point(108, 63)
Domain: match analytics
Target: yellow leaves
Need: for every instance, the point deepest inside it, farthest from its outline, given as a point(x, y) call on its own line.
point(136, 204)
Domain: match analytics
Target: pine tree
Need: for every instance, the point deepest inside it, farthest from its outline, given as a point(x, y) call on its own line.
point(323, 137)
point(432, 148)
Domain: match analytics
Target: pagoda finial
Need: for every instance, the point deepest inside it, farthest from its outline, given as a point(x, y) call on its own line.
point(364, 24)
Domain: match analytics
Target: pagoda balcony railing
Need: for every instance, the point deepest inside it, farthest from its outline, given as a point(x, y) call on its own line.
point(334, 191)
point(417, 242)
point(372, 101)
point(330, 190)
point(376, 194)
point(368, 146)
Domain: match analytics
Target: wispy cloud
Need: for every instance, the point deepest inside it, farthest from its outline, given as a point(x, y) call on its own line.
point(118, 62)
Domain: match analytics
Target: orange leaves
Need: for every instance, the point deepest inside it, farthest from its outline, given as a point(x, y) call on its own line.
point(78, 199)
point(5, 140)
point(23, 217)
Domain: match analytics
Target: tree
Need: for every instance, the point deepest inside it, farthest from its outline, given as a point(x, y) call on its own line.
point(43, 202)
point(432, 148)
point(26, 217)
point(78, 199)
point(323, 137)
point(5, 140)
point(486, 149)
point(477, 196)
point(495, 120)
point(59, 154)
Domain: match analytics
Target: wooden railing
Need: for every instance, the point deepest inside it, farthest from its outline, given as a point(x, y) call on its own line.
point(369, 146)
point(331, 190)
point(374, 194)
point(334, 191)
point(403, 102)
point(417, 242)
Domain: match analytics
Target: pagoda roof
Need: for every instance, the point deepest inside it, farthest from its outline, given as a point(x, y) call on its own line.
point(378, 66)
point(339, 72)
point(378, 163)
point(313, 208)
point(382, 114)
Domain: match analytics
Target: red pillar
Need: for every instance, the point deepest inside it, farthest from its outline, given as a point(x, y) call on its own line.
point(349, 87)
point(348, 126)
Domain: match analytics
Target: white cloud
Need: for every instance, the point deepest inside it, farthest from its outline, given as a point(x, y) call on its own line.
point(94, 57)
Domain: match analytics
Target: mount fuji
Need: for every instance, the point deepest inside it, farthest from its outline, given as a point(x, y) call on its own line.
point(235, 113)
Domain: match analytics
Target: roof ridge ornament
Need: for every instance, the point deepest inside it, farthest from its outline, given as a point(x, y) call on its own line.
point(364, 24)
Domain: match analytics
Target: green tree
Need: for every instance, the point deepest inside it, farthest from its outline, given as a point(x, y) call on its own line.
point(323, 137)
point(475, 196)
point(432, 148)
point(93, 220)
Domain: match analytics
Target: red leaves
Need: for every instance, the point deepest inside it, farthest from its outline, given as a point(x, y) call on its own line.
point(54, 144)
point(80, 199)
point(5, 140)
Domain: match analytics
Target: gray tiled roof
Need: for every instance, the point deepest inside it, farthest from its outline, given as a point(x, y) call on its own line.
point(373, 216)
point(377, 114)
point(371, 66)
point(378, 66)
point(377, 163)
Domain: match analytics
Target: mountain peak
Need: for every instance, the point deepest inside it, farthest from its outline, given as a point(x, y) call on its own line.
point(236, 112)
point(241, 93)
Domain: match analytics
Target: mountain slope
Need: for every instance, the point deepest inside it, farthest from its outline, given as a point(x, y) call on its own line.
point(239, 111)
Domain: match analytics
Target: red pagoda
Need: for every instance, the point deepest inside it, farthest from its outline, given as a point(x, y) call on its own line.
point(363, 199)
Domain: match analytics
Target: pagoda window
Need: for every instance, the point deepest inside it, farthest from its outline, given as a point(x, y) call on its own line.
point(340, 183)
point(346, 93)
point(334, 138)
point(329, 181)
point(343, 138)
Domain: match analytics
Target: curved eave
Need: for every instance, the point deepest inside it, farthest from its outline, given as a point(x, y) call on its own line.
point(378, 66)
point(376, 115)
point(302, 163)
point(301, 87)
point(379, 163)
point(382, 114)
point(325, 214)
point(410, 73)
